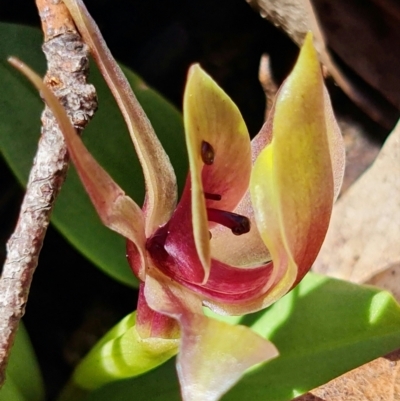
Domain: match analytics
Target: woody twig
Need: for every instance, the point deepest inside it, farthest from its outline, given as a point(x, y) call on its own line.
point(67, 70)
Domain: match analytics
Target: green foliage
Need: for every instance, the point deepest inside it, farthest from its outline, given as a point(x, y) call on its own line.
point(322, 329)
point(23, 382)
point(106, 137)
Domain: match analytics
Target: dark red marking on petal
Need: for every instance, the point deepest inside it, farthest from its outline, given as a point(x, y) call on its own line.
point(207, 153)
point(156, 243)
point(237, 223)
point(215, 197)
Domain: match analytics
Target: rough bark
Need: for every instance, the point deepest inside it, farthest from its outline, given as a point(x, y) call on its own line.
point(67, 60)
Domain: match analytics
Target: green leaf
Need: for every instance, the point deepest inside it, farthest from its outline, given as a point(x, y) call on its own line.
point(10, 392)
point(106, 137)
point(23, 380)
point(323, 328)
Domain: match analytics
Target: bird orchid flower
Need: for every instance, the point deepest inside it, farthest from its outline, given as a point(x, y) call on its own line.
point(250, 222)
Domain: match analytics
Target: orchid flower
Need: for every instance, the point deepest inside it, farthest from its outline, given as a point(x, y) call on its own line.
point(250, 222)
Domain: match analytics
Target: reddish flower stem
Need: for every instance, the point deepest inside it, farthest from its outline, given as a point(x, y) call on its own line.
point(67, 60)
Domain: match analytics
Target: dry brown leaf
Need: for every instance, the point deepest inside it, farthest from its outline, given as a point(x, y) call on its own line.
point(364, 235)
point(361, 151)
point(388, 279)
point(358, 45)
point(366, 39)
point(289, 15)
point(378, 380)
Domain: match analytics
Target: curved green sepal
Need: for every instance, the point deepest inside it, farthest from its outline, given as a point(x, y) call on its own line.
point(122, 353)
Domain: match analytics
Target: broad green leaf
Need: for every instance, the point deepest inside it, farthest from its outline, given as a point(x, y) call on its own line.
point(10, 392)
point(23, 380)
point(106, 137)
point(323, 328)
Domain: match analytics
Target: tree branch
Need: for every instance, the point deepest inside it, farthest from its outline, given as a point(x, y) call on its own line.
point(67, 60)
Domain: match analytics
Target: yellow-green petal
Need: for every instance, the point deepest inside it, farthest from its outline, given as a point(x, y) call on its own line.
point(211, 118)
point(292, 186)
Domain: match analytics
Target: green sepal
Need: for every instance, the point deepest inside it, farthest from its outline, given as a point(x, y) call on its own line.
point(122, 353)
